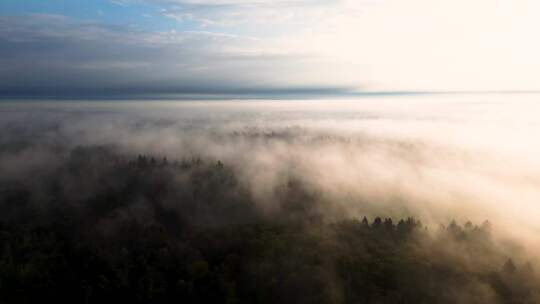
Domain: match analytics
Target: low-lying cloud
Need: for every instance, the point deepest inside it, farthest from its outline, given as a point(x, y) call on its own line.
point(368, 157)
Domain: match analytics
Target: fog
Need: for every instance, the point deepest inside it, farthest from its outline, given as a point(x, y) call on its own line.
point(435, 157)
point(270, 199)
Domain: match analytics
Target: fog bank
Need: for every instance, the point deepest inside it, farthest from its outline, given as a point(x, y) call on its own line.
point(469, 157)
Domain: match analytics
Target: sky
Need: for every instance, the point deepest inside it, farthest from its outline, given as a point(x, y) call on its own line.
point(262, 47)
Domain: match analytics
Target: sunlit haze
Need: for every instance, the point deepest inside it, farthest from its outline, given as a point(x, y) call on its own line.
point(270, 151)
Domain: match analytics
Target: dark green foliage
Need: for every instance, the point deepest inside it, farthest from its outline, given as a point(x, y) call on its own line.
point(104, 228)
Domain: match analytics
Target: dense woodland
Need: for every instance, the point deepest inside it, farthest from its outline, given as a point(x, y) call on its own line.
point(103, 227)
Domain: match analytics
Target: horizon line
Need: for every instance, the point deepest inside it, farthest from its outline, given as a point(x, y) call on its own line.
point(268, 95)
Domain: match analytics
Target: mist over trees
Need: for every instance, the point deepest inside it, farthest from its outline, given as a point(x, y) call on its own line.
point(103, 204)
point(102, 226)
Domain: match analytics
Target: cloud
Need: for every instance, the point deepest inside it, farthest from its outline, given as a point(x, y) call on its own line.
point(393, 45)
point(54, 54)
point(290, 14)
point(255, 46)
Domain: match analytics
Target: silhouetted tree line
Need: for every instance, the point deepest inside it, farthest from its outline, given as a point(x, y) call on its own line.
point(104, 228)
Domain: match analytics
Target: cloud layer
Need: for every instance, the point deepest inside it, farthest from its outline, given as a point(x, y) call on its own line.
point(248, 47)
point(435, 158)
point(46, 54)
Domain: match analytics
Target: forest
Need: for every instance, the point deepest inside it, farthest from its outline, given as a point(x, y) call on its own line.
point(102, 226)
